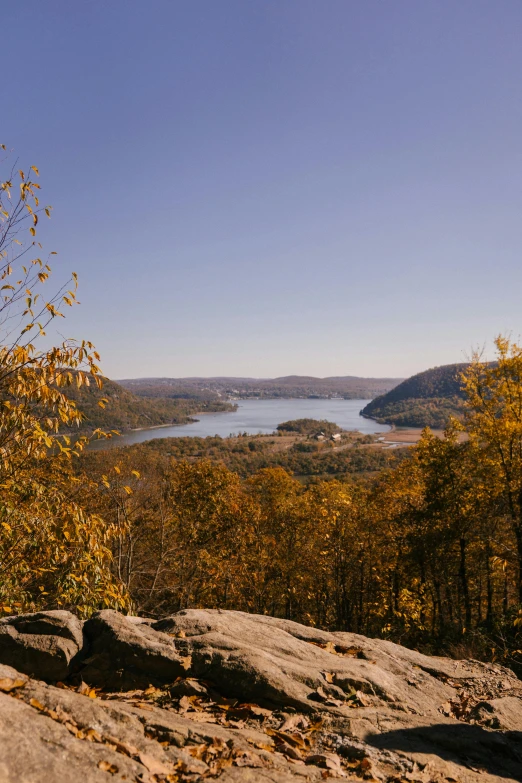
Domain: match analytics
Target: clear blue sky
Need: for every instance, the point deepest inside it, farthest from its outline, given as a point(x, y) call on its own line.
point(266, 187)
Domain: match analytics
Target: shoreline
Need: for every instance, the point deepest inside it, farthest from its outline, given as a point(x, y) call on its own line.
point(151, 432)
point(177, 424)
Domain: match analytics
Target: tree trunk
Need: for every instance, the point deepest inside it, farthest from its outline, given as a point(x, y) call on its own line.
point(518, 533)
point(463, 574)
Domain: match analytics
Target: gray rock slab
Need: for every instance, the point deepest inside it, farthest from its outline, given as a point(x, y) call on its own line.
point(42, 644)
point(123, 653)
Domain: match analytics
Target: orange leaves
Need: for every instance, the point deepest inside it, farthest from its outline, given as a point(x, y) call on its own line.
point(106, 766)
point(7, 684)
point(86, 690)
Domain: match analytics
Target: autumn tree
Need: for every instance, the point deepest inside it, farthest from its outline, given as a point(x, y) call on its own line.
point(52, 553)
point(494, 425)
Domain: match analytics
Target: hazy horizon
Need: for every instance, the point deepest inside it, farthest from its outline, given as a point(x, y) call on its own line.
point(276, 187)
point(248, 378)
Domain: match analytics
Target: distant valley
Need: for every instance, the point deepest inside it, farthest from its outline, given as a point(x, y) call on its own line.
point(291, 386)
point(425, 399)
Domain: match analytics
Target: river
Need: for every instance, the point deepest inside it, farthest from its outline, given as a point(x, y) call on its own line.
point(256, 416)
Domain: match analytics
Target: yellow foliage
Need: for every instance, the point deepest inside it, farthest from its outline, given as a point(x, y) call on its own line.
point(52, 552)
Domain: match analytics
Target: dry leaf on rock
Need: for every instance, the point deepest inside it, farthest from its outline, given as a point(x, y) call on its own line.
point(86, 690)
point(203, 717)
point(122, 747)
point(244, 758)
point(328, 761)
point(154, 766)
point(294, 722)
point(7, 684)
point(106, 766)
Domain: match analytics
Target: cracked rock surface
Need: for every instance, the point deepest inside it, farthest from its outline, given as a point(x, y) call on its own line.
point(209, 694)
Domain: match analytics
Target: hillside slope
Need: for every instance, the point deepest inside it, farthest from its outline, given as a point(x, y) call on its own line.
point(424, 400)
point(125, 410)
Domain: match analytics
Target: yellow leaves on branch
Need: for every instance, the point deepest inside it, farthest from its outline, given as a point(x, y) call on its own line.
point(52, 552)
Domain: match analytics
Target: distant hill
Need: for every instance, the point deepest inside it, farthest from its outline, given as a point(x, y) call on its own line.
point(125, 410)
point(424, 400)
point(290, 386)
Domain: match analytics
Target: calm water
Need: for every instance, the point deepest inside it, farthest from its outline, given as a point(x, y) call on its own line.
point(258, 416)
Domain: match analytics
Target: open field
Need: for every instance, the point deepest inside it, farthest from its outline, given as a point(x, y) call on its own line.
point(411, 435)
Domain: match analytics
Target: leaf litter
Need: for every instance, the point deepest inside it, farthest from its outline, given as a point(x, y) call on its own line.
point(294, 736)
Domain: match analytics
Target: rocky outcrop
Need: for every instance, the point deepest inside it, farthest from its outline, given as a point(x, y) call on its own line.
point(126, 652)
point(41, 644)
point(238, 697)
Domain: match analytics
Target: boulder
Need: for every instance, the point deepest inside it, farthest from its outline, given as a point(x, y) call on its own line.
point(57, 734)
point(42, 645)
point(242, 699)
point(281, 663)
point(504, 713)
point(123, 653)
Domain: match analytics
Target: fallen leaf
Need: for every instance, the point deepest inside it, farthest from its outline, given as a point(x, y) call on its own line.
point(352, 652)
point(262, 745)
point(328, 761)
point(294, 740)
point(7, 684)
point(244, 758)
point(293, 753)
point(202, 717)
point(106, 766)
point(256, 711)
point(294, 722)
point(154, 766)
point(36, 704)
point(363, 699)
point(197, 751)
point(123, 747)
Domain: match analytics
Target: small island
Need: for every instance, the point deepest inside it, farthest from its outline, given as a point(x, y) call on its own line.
point(313, 428)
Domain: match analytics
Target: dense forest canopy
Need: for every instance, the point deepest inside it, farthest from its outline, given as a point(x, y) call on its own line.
point(309, 427)
point(308, 460)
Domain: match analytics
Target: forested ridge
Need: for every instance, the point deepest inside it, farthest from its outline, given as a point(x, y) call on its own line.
point(427, 399)
point(112, 407)
point(291, 386)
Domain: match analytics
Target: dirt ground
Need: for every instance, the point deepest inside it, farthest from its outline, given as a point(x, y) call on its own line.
point(411, 435)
